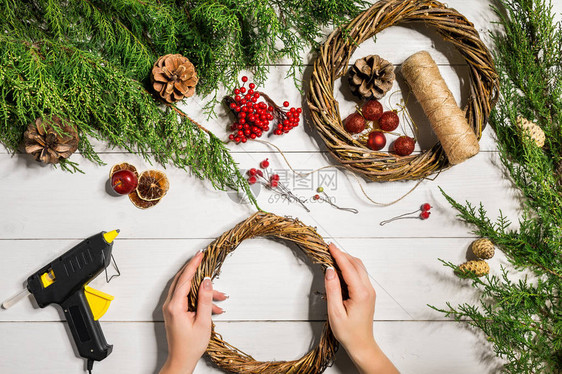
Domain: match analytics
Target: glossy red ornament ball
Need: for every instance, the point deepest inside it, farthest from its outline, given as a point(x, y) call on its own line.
point(372, 110)
point(376, 140)
point(244, 79)
point(426, 207)
point(389, 121)
point(273, 183)
point(354, 123)
point(264, 164)
point(124, 182)
point(404, 145)
point(252, 180)
point(425, 214)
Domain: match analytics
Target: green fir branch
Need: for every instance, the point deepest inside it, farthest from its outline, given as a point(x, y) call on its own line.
point(520, 311)
point(88, 62)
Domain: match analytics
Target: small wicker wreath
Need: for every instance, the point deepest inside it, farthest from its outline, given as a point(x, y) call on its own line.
point(332, 63)
point(231, 358)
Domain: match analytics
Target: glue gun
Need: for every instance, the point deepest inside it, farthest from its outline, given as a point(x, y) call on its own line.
point(65, 282)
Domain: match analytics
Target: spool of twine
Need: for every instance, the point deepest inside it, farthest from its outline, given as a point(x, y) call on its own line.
point(447, 120)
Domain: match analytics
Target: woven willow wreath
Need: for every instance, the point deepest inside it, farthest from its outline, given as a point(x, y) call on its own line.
point(332, 63)
point(231, 358)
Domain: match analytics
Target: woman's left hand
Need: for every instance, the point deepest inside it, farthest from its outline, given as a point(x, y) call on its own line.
point(188, 333)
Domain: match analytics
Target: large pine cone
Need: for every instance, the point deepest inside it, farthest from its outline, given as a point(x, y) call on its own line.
point(43, 142)
point(174, 78)
point(371, 77)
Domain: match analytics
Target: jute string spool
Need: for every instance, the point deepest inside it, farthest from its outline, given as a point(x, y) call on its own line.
point(447, 120)
point(230, 358)
point(333, 62)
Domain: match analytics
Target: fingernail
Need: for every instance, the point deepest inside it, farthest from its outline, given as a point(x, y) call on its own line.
point(330, 273)
point(201, 251)
point(226, 296)
point(207, 284)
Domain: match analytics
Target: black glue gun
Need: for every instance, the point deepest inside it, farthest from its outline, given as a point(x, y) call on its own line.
point(65, 282)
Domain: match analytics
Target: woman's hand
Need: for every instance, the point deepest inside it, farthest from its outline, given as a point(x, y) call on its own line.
point(351, 320)
point(188, 333)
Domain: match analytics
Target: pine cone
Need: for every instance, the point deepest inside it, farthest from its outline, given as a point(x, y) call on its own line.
point(371, 77)
point(174, 78)
point(483, 248)
point(478, 268)
point(43, 142)
point(532, 130)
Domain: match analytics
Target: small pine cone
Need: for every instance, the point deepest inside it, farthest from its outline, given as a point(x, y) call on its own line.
point(483, 248)
point(531, 130)
point(478, 268)
point(174, 78)
point(371, 77)
point(48, 145)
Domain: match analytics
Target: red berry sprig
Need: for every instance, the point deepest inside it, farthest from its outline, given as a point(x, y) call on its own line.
point(254, 117)
point(424, 213)
point(271, 181)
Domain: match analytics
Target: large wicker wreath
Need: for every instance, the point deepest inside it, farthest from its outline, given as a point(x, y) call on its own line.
point(332, 63)
point(260, 224)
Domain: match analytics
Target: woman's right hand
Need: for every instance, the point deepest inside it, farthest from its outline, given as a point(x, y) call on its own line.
point(351, 320)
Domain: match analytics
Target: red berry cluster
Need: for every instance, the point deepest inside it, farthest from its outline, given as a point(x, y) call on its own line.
point(253, 175)
point(254, 118)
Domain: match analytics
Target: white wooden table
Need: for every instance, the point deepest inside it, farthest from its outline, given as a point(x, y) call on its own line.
point(275, 310)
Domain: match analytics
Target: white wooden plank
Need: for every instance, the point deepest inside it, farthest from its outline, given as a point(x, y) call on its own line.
point(39, 202)
point(264, 278)
point(414, 347)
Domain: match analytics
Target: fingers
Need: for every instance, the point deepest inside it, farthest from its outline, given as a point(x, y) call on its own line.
point(359, 267)
point(217, 309)
point(205, 302)
point(333, 294)
point(347, 267)
point(183, 284)
point(219, 296)
point(173, 284)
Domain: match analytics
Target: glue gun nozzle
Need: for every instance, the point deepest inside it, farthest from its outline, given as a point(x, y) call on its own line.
point(110, 236)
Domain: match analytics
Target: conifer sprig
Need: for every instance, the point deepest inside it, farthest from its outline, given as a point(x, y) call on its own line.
point(521, 310)
point(88, 62)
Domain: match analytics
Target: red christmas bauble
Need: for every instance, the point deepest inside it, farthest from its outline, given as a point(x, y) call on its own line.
point(372, 110)
point(389, 121)
point(354, 123)
point(404, 145)
point(376, 140)
point(124, 182)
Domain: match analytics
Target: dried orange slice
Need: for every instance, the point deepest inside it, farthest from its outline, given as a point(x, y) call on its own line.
point(123, 166)
point(153, 185)
point(140, 203)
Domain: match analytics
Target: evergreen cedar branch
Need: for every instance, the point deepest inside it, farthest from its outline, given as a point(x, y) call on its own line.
point(522, 319)
point(89, 61)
